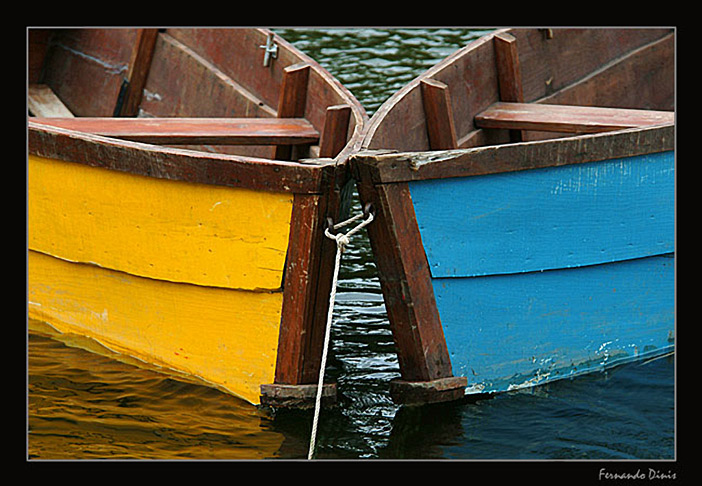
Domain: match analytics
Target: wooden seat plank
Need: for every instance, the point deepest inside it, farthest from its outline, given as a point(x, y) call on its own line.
point(568, 118)
point(222, 131)
point(42, 101)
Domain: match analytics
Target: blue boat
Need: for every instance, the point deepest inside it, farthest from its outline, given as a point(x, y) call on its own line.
point(524, 193)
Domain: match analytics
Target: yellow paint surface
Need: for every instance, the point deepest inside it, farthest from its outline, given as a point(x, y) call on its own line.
point(228, 338)
point(168, 230)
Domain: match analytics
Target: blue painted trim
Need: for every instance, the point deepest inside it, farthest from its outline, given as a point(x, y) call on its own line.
point(558, 217)
point(510, 331)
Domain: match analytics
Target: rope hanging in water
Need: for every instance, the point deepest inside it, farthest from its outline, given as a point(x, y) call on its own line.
point(342, 239)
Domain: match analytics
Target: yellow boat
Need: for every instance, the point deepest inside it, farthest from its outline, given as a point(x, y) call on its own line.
point(179, 183)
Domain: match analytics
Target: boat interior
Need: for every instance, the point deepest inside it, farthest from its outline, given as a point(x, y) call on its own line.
point(234, 91)
point(547, 83)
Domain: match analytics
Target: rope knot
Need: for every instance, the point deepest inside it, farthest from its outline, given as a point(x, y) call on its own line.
point(342, 240)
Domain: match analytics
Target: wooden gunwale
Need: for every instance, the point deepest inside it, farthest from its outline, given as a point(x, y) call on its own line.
point(316, 186)
point(175, 164)
point(387, 165)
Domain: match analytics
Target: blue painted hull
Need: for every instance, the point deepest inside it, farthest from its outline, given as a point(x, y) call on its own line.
point(545, 274)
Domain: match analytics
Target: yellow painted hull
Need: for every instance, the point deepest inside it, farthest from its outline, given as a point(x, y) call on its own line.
point(182, 275)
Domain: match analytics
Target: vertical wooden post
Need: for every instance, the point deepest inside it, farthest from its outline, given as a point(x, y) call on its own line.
point(298, 288)
point(334, 134)
point(292, 100)
point(139, 66)
point(405, 278)
point(509, 74)
point(438, 115)
point(307, 283)
point(301, 334)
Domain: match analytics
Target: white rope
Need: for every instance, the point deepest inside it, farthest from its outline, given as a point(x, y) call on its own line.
point(341, 241)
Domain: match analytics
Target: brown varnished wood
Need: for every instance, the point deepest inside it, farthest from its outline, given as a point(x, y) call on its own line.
point(509, 74)
point(509, 71)
point(568, 118)
point(86, 67)
point(405, 281)
point(292, 100)
point(139, 66)
point(174, 131)
point(43, 102)
point(627, 68)
point(335, 132)
point(299, 290)
point(307, 285)
point(37, 47)
point(388, 167)
point(175, 164)
point(439, 115)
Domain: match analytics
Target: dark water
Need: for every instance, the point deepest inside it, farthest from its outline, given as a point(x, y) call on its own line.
point(82, 405)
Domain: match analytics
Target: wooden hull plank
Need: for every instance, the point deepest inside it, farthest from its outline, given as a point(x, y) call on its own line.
point(512, 331)
point(227, 338)
point(557, 217)
point(156, 228)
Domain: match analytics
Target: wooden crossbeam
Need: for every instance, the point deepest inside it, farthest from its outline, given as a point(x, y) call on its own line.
point(568, 118)
point(177, 131)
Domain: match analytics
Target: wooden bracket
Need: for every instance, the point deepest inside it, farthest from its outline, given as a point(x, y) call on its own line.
point(509, 74)
point(133, 86)
point(335, 132)
point(438, 115)
point(292, 100)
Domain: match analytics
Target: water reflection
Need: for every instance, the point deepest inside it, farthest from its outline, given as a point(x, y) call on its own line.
point(82, 405)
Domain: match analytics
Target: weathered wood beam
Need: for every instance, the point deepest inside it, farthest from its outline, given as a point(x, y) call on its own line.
point(42, 101)
point(292, 100)
point(335, 132)
point(567, 118)
point(439, 117)
point(223, 131)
